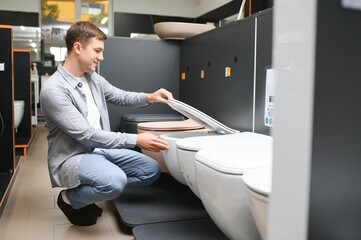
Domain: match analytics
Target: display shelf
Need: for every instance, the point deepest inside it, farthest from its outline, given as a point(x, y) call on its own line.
point(23, 143)
point(23, 90)
point(5, 184)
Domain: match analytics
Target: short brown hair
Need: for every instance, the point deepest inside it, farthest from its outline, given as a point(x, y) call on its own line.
point(81, 32)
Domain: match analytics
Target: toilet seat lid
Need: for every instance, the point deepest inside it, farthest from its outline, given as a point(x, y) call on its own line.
point(259, 180)
point(236, 160)
point(216, 141)
point(184, 125)
point(200, 117)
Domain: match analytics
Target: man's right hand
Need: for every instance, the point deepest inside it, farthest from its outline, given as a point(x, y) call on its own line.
point(151, 142)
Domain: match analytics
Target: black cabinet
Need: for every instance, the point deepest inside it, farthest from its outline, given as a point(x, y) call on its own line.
point(14, 84)
point(23, 91)
point(7, 139)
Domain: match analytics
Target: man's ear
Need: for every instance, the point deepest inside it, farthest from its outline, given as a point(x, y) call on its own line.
point(77, 47)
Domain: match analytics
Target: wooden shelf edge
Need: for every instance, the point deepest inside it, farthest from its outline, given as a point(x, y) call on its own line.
point(5, 197)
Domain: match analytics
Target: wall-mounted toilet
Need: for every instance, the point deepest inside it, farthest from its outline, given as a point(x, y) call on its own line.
point(18, 112)
point(258, 187)
point(170, 155)
point(187, 148)
point(163, 127)
point(219, 174)
point(211, 127)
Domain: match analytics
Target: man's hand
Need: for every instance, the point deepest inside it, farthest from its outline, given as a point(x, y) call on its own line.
point(159, 96)
point(151, 142)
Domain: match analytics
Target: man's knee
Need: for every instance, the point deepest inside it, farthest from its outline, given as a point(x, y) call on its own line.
point(112, 186)
point(154, 169)
point(154, 177)
point(153, 172)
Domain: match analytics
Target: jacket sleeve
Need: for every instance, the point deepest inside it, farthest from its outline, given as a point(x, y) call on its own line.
point(121, 97)
point(63, 113)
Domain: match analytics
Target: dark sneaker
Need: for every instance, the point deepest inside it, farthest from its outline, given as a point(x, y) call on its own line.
point(93, 208)
point(80, 217)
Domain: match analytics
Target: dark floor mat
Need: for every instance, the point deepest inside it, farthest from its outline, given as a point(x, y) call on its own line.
point(165, 201)
point(197, 229)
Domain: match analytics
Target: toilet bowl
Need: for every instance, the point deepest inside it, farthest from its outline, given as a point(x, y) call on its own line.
point(170, 155)
point(187, 148)
point(211, 127)
point(163, 127)
point(18, 112)
point(219, 174)
point(258, 184)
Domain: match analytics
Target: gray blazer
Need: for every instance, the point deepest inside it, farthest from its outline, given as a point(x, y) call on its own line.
point(70, 135)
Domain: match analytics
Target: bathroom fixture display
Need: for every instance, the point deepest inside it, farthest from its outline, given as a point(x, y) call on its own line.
point(170, 156)
point(163, 127)
point(219, 173)
point(187, 149)
point(210, 127)
point(18, 112)
point(180, 30)
point(258, 184)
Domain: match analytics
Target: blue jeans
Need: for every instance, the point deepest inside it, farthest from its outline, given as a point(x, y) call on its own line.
point(105, 173)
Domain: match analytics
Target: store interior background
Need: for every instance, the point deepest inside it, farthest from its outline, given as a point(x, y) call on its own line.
point(324, 145)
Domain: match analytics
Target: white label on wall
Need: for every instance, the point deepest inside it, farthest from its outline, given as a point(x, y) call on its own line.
point(2, 67)
point(269, 98)
point(352, 4)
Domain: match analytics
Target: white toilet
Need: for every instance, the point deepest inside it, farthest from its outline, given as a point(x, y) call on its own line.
point(219, 174)
point(188, 147)
point(211, 127)
point(18, 112)
point(163, 127)
point(170, 155)
point(258, 184)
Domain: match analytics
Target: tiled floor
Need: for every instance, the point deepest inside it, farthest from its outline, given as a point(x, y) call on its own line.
point(31, 211)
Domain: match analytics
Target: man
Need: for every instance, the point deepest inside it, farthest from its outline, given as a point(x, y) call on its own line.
point(93, 163)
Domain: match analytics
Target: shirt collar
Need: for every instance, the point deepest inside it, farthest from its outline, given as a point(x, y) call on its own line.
point(69, 77)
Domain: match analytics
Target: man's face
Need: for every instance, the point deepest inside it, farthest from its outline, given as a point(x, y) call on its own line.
point(91, 54)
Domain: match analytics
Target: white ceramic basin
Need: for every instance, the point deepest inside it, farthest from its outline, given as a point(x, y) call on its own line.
point(180, 30)
point(18, 112)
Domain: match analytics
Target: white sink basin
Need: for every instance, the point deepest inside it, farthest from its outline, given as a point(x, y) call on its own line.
point(180, 30)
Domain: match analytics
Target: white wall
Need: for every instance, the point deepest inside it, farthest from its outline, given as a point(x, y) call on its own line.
point(20, 5)
point(205, 6)
point(294, 40)
point(177, 8)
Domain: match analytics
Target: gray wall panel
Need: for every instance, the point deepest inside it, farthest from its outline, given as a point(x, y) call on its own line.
point(140, 65)
point(335, 197)
point(229, 100)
